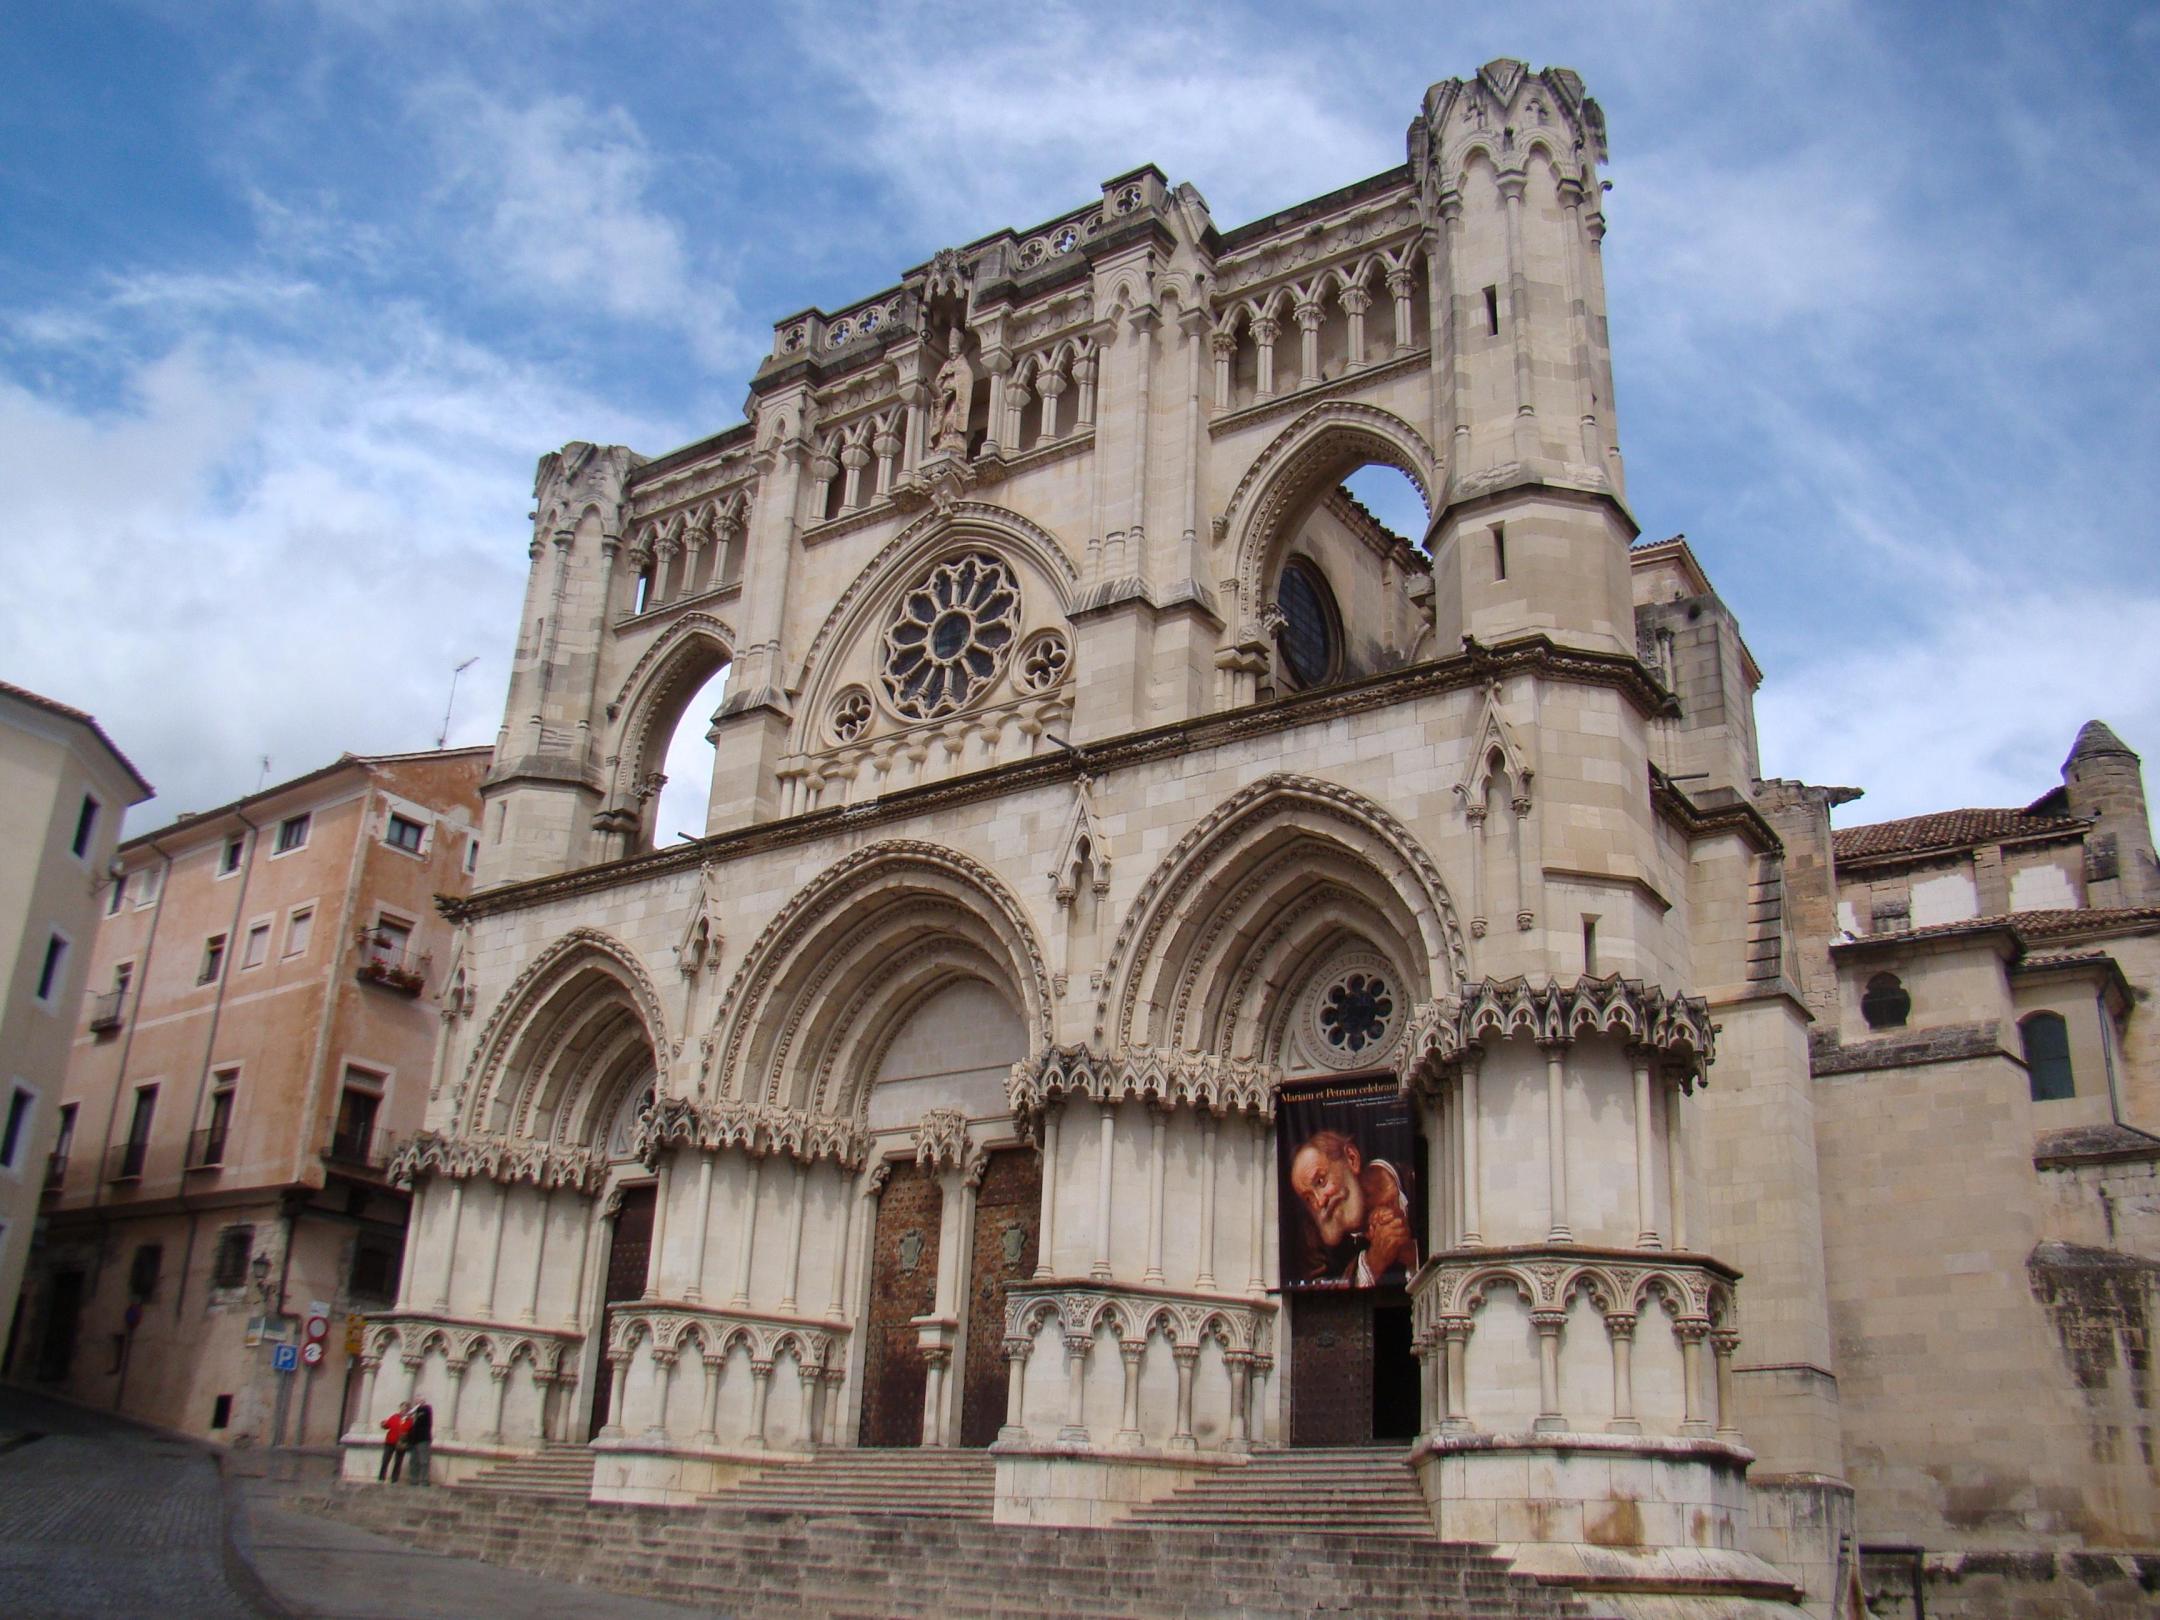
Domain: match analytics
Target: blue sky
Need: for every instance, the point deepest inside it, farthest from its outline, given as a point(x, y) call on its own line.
point(292, 295)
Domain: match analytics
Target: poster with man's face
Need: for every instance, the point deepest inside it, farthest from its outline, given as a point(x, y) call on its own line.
point(1346, 1153)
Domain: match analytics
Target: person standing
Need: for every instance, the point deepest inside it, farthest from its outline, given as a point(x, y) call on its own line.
point(420, 1440)
point(393, 1451)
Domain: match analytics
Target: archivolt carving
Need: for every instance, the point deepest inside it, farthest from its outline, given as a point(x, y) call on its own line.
point(528, 995)
point(504, 1159)
point(1197, 1080)
point(801, 920)
point(1677, 1028)
point(1322, 443)
point(757, 1129)
point(1409, 871)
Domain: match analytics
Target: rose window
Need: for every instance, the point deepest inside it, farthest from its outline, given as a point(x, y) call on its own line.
point(794, 340)
point(1066, 240)
point(951, 636)
point(1128, 199)
point(867, 323)
point(1043, 662)
point(850, 714)
point(1356, 1012)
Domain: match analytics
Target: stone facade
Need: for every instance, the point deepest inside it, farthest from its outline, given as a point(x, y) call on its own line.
point(1095, 782)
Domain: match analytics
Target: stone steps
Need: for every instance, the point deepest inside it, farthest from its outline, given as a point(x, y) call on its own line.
point(947, 1483)
point(564, 1472)
point(762, 1564)
point(1361, 1492)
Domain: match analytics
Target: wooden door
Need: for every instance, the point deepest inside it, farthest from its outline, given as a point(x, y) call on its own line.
point(1008, 1213)
point(1331, 1368)
point(629, 1261)
point(903, 1286)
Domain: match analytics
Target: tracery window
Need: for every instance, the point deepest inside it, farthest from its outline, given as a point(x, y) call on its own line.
point(950, 636)
point(1309, 640)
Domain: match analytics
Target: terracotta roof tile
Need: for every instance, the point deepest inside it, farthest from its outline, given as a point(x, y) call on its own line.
point(2028, 926)
point(1946, 830)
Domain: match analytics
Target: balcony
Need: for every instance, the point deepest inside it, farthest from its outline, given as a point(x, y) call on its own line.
point(125, 1162)
point(206, 1148)
point(107, 1012)
point(55, 1173)
point(363, 1149)
point(388, 960)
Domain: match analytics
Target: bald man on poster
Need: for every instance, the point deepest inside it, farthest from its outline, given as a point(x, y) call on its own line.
point(1359, 1213)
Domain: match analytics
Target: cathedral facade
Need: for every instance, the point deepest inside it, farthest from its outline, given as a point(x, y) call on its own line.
point(1173, 968)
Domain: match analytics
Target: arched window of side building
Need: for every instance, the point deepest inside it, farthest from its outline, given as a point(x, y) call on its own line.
point(2046, 1040)
point(1885, 1003)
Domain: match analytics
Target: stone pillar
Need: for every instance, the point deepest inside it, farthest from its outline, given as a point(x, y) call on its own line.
point(1550, 1419)
point(1103, 1167)
point(1511, 192)
point(1204, 1271)
point(694, 1290)
point(1355, 301)
point(619, 1376)
point(501, 1376)
point(457, 1219)
point(1240, 1363)
point(1455, 1331)
point(1439, 1185)
point(746, 1240)
point(1646, 1236)
point(1158, 1125)
point(834, 1378)
point(1045, 1264)
point(606, 1238)
point(412, 1365)
point(709, 1415)
point(1691, 1335)
point(1475, 816)
point(1186, 1356)
point(1077, 1346)
point(458, 1367)
point(531, 1313)
point(1676, 1167)
point(1620, 1330)
point(369, 1366)
point(1224, 347)
point(1016, 1360)
point(409, 1268)
point(1723, 1342)
point(760, 1393)
point(1399, 284)
point(1050, 385)
point(1309, 316)
point(1529, 866)
point(1256, 1273)
point(1266, 328)
point(1556, 1140)
point(1467, 1128)
point(1132, 1351)
point(1432, 1376)
point(658, 1260)
point(793, 1263)
point(810, 1389)
point(664, 1372)
point(540, 1383)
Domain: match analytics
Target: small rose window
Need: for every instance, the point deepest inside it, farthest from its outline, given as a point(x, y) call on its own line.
point(951, 636)
point(1356, 1012)
point(1043, 662)
point(850, 714)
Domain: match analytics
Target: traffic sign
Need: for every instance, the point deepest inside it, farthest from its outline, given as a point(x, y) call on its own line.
point(318, 1327)
point(284, 1358)
point(311, 1352)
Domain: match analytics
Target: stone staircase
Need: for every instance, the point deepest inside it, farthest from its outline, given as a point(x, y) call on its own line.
point(1356, 1491)
point(767, 1564)
point(945, 1484)
point(563, 1472)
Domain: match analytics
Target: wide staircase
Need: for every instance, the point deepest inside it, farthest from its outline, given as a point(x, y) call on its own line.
point(1362, 1491)
point(563, 1472)
point(771, 1548)
point(927, 1482)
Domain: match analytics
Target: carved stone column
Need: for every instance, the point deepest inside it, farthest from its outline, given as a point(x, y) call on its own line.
point(746, 1240)
point(1400, 283)
point(1223, 345)
point(1355, 301)
point(791, 1265)
point(1050, 385)
point(708, 1429)
point(664, 1376)
point(1158, 1125)
point(1640, 1059)
point(654, 1281)
point(1131, 1351)
point(619, 1376)
point(1620, 1330)
point(1556, 1139)
point(1309, 317)
point(1187, 1357)
point(457, 1219)
point(1016, 1361)
point(1473, 1215)
point(760, 1394)
point(1204, 1274)
point(369, 1366)
point(1104, 1165)
point(1046, 1244)
point(1676, 1166)
point(531, 1312)
point(1550, 1419)
point(1240, 1364)
point(1266, 329)
point(500, 1373)
point(694, 1290)
point(1723, 1342)
point(1455, 1335)
point(1691, 1333)
point(1077, 1346)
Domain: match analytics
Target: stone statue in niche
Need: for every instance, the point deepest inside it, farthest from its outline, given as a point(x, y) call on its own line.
point(952, 395)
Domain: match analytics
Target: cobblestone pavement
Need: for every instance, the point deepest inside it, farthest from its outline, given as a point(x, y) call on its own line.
point(99, 1518)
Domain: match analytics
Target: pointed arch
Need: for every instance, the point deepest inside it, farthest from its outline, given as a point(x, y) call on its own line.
point(837, 970)
point(681, 659)
point(1310, 456)
point(1219, 915)
point(565, 1039)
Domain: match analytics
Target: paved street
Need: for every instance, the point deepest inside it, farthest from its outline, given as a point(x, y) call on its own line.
point(102, 1520)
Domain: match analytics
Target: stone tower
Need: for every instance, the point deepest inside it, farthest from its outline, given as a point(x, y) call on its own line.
point(2103, 779)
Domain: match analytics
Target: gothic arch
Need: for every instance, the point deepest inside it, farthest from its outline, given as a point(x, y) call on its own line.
point(652, 698)
point(938, 531)
point(822, 989)
point(1310, 455)
point(552, 1049)
point(1208, 909)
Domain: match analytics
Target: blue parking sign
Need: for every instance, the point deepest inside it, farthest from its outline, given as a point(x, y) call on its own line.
point(284, 1358)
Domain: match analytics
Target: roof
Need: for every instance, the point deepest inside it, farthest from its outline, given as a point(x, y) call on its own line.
point(2028, 927)
point(64, 712)
point(1948, 830)
point(197, 818)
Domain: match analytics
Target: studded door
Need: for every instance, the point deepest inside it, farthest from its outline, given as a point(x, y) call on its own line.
point(628, 1261)
point(1331, 1369)
point(1008, 1211)
point(903, 1285)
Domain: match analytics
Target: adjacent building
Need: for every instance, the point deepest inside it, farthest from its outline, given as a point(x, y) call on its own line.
point(266, 984)
point(64, 788)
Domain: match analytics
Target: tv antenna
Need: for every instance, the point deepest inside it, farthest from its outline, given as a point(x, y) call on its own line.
point(443, 736)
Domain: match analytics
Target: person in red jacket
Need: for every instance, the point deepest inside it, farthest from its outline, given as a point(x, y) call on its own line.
point(393, 1451)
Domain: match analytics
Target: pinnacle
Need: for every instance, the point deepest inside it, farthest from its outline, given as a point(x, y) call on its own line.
point(2094, 738)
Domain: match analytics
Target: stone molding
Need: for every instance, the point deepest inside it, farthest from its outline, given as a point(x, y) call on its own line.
point(672, 1328)
point(1170, 1079)
point(504, 1159)
point(410, 1335)
point(1690, 1287)
point(1081, 1309)
point(759, 1129)
point(1446, 1032)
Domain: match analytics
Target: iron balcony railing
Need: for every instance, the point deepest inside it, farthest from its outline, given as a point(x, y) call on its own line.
point(107, 1011)
point(206, 1147)
point(125, 1162)
point(390, 961)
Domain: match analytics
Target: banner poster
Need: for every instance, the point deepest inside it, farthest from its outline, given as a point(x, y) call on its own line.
point(1346, 1155)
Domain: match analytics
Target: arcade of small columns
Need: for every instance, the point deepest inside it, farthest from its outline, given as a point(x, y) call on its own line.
point(1127, 1250)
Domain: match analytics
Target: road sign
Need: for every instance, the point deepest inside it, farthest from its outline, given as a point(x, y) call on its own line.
point(311, 1352)
point(284, 1358)
point(318, 1327)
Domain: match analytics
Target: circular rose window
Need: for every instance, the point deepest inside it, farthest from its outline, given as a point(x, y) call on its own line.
point(951, 636)
point(1353, 1013)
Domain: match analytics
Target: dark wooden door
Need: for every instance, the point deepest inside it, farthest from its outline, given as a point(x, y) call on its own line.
point(1008, 1212)
point(1331, 1367)
point(903, 1286)
point(628, 1262)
